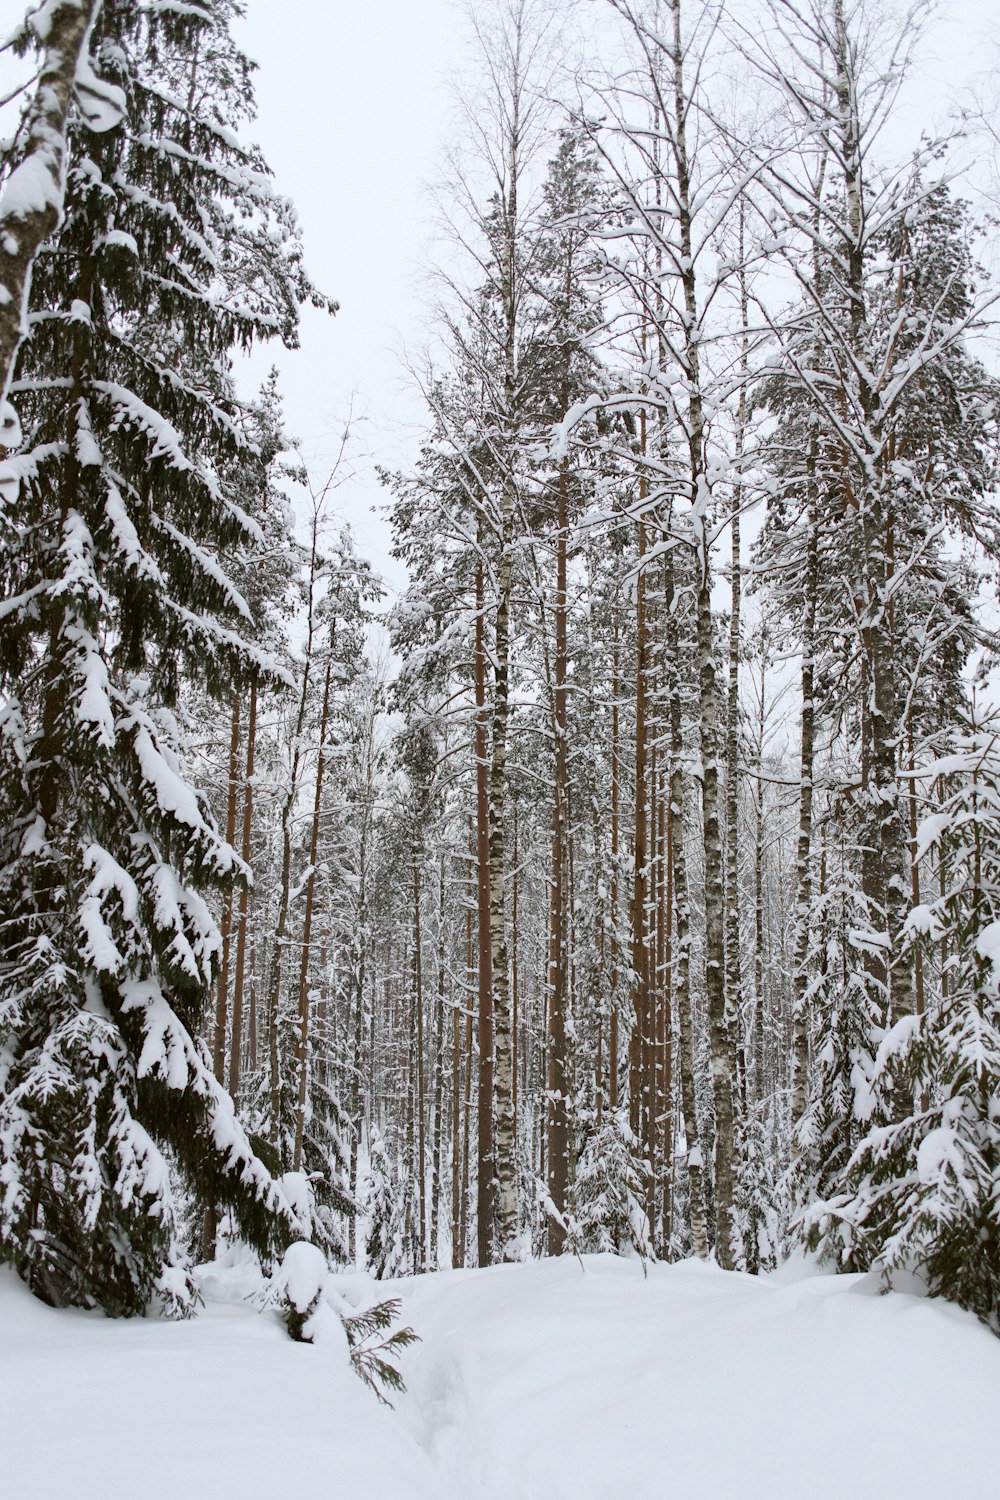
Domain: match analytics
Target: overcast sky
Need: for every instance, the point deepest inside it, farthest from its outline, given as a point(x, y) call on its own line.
point(354, 105)
point(355, 108)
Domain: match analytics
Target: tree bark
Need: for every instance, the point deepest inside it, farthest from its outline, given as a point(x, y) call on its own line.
point(226, 925)
point(638, 1042)
point(613, 1044)
point(239, 976)
point(32, 202)
point(682, 982)
point(803, 852)
point(485, 1154)
point(302, 1042)
point(558, 1124)
point(721, 1040)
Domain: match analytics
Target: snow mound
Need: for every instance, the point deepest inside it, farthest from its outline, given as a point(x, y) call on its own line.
point(303, 1272)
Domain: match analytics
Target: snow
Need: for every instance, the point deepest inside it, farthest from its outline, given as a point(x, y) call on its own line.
point(32, 187)
point(988, 944)
point(102, 104)
point(224, 1404)
point(558, 1380)
point(303, 1272)
point(100, 948)
point(937, 1153)
point(573, 1382)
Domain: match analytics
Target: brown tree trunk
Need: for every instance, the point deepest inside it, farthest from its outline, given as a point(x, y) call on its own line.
point(665, 963)
point(457, 1163)
point(613, 1044)
point(239, 976)
point(28, 219)
point(419, 1101)
point(638, 1041)
point(884, 864)
point(721, 1039)
point(302, 1042)
point(803, 853)
point(682, 969)
point(359, 963)
point(485, 1154)
point(437, 1084)
point(558, 1094)
point(226, 925)
point(274, 985)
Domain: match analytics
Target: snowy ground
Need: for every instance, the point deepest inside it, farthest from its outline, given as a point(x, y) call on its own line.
point(543, 1382)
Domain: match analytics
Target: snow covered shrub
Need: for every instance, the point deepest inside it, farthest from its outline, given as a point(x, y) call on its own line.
point(760, 1201)
point(312, 1309)
point(302, 1279)
point(841, 1103)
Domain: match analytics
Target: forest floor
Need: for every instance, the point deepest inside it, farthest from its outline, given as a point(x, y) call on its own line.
point(558, 1380)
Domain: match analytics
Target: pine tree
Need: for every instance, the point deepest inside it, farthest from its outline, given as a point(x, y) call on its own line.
point(173, 250)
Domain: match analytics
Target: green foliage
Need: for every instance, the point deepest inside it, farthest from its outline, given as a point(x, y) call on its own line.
point(371, 1355)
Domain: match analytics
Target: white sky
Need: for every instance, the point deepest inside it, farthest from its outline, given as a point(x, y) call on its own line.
point(354, 105)
point(354, 110)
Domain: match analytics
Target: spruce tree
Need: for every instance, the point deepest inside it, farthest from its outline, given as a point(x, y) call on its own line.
point(381, 1199)
point(923, 1190)
point(173, 251)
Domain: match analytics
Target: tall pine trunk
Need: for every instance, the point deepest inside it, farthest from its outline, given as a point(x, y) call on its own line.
point(558, 1077)
point(302, 1040)
point(485, 1152)
point(242, 919)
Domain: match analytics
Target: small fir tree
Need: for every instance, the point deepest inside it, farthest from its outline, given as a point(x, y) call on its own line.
point(610, 1214)
point(383, 1209)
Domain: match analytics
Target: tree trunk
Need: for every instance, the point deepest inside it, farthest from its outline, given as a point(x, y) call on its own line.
point(485, 1153)
point(29, 218)
point(639, 1039)
point(437, 1084)
point(884, 865)
point(682, 985)
point(803, 852)
point(302, 1042)
point(613, 1045)
point(359, 960)
point(285, 881)
point(420, 1098)
point(226, 925)
point(559, 1086)
point(721, 1040)
point(239, 979)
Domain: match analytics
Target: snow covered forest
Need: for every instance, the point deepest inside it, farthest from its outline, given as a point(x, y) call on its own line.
point(628, 882)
